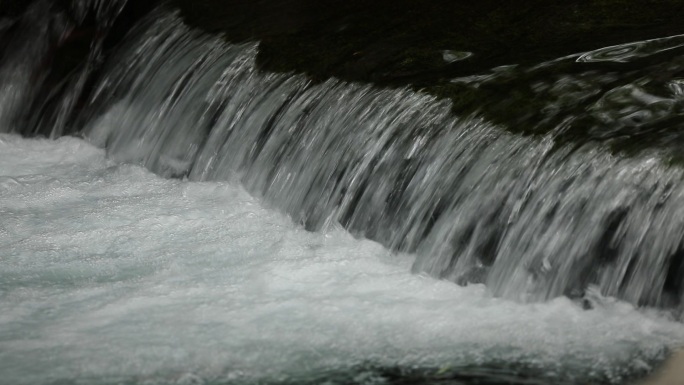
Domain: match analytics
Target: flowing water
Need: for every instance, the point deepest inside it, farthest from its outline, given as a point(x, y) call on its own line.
point(300, 232)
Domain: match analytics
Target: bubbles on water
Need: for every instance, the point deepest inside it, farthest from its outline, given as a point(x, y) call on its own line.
point(114, 274)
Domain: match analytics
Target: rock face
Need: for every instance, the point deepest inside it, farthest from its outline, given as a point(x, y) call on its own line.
point(438, 45)
point(12, 7)
point(484, 56)
point(403, 41)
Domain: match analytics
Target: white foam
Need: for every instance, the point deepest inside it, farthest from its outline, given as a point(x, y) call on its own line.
point(108, 271)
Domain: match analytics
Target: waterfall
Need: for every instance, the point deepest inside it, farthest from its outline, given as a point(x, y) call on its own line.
point(41, 88)
point(529, 217)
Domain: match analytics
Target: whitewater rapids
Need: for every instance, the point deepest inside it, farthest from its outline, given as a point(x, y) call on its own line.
point(111, 274)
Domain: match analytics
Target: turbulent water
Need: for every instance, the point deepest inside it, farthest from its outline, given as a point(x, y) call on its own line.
point(476, 203)
point(112, 274)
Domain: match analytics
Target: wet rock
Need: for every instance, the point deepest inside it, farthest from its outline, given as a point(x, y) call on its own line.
point(453, 49)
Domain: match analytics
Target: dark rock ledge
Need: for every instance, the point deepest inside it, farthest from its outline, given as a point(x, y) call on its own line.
point(427, 44)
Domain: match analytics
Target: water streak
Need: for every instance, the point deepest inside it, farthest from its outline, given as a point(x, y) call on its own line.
point(37, 92)
point(624, 53)
point(476, 203)
point(531, 219)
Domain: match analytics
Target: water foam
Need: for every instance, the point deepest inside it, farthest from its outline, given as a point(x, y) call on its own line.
point(110, 273)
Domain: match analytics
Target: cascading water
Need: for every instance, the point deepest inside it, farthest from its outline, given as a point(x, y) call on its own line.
point(476, 203)
point(530, 217)
point(37, 92)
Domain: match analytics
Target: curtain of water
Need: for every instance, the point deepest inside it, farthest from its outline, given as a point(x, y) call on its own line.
point(476, 203)
point(40, 93)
